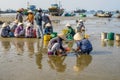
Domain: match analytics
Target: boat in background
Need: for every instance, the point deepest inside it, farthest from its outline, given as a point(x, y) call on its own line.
point(80, 11)
point(103, 14)
point(68, 14)
point(56, 10)
point(118, 15)
point(82, 15)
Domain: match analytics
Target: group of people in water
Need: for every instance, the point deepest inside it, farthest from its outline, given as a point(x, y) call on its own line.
point(55, 47)
point(31, 27)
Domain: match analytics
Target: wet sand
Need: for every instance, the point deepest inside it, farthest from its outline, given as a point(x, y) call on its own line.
point(27, 59)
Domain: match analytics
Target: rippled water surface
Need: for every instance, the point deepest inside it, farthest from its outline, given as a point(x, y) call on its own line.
point(27, 59)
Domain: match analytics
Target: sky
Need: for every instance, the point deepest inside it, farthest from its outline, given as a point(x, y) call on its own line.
point(66, 4)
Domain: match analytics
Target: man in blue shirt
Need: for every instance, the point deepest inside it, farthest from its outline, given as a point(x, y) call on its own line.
point(38, 20)
point(83, 45)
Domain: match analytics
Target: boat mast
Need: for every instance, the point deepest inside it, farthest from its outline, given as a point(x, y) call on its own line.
point(60, 4)
point(55, 1)
point(28, 4)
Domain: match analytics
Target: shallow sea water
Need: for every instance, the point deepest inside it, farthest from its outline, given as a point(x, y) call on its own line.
point(27, 59)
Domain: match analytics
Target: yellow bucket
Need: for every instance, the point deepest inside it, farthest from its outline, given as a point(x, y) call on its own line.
point(47, 37)
point(87, 36)
point(64, 31)
point(46, 43)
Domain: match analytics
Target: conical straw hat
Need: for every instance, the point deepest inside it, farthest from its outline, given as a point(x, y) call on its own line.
point(61, 35)
point(78, 36)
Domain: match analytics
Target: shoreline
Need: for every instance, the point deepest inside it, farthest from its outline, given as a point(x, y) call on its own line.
point(23, 57)
point(10, 18)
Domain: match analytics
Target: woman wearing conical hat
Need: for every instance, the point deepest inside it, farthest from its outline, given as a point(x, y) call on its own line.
point(48, 29)
point(80, 27)
point(30, 17)
point(19, 31)
point(83, 44)
point(19, 15)
point(29, 31)
point(55, 46)
point(5, 30)
point(71, 32)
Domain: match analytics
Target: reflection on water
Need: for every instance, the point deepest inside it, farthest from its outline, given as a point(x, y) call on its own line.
point(6, 45)
point(45, 43)
point(30, 47)
point(39, 54)
point(39, 60)
point(82, 62)
point(117, 43)
point(110, 43)
point(39, 45)
point(103, 43)
point(19, 45)
point(57, 63)
point(22, 45)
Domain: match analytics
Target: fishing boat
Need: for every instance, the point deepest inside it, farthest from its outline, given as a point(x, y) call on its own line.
point(82, 15)
point(55, 10)
point(68, 14)
point(118, 15)
point(104, 14)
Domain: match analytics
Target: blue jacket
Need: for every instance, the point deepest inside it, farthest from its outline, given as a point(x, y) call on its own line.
point(5, 31)
point(84, 45)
